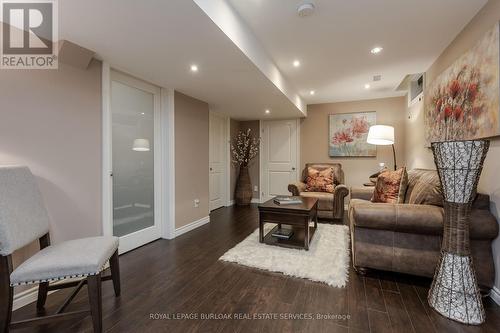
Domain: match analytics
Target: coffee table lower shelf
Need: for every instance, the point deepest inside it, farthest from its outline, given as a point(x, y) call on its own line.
point(294, 242)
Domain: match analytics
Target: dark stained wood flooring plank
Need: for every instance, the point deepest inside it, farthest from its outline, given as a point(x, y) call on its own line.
point(379, 321)
point(374, 294)
point(400, 320)
point(388, 281)
point(418, 315)
point(357, 306)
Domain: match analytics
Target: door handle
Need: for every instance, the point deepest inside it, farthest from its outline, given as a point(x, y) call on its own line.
point(293, 169)
point(210, 169)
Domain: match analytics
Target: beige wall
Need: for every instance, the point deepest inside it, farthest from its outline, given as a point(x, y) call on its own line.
point(50, 120)
point(233, 175)
point(191, 159)
point(418, 156)
point(314, 136)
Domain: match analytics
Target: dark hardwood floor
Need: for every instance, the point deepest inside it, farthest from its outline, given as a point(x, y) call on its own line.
point(183, 276)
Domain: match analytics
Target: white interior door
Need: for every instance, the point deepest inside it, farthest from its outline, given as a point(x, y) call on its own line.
point(135, 161)
point(279, 157)
point(217, 160)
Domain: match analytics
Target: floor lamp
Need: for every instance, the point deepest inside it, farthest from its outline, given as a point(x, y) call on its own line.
point(382, 135)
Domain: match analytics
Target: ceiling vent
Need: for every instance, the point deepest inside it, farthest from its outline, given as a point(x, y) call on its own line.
point(305, 9)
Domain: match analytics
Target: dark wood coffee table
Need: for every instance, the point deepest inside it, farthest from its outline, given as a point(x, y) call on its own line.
point(298, 216)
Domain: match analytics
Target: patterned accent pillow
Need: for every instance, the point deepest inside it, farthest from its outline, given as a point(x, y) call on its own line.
point(319, 180)
point(391, 186)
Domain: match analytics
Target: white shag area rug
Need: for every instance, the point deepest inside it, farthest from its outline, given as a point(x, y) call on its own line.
point(326, 261)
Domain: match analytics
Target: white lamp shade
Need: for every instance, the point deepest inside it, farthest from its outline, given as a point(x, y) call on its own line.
point(381, 135)
point(141, 145)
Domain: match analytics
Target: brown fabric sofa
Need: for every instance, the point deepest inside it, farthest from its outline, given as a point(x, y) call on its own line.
point(406, 237)
point(330, 205)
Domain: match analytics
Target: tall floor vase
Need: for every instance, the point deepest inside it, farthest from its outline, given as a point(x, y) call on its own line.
point(454, 292)
point(243, 192)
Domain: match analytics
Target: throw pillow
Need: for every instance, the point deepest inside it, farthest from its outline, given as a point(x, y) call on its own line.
point(426, 190)
point(391, 186)
point(319, 180)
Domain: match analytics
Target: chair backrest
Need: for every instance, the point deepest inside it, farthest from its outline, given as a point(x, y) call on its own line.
point(338, 173)
point(23, 217)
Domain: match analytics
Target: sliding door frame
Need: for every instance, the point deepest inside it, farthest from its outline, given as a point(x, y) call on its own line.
point(164, 170)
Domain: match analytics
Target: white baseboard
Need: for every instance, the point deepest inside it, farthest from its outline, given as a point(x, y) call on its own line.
point(495, 295)
point(26, 297)
point(191, 226)
point(231, 203)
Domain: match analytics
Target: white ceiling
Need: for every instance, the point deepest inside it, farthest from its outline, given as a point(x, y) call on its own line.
point(334, 43)
point(157, 41)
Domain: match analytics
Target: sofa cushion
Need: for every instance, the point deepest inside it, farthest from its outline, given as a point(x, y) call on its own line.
point(424, 188)
point(391, 186)
point(325, 199)
point(416, 219)
point(319, 180)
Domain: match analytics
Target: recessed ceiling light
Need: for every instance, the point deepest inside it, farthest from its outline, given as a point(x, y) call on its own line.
point(267, 111)
point(143, 113)
point(194, 68)
point(367, 86)
point(296, 63)
point(376, 50)
point(312, 92)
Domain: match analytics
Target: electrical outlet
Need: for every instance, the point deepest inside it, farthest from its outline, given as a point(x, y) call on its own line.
point(196, 203)
point(256, 188)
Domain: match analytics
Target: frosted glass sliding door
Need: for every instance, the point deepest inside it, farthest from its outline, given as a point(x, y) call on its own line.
point(133, 114)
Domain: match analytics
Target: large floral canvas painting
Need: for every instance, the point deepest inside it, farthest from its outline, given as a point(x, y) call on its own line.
point(348, 133)
point(463, 102)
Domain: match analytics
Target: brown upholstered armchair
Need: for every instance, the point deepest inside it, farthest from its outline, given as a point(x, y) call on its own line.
point(330, 205)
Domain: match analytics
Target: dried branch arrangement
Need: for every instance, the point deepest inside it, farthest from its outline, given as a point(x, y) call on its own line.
point(244, 148)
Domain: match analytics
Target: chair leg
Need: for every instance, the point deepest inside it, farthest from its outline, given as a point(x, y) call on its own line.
point(6, 293)
point(115, 272)
point(6, 300)
point(42, 296)
point(95, 300)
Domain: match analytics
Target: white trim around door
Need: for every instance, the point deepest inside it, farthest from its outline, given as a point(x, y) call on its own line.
point(164, 198)
point(228, 162)
point(224, 165)
point(107, 183)
point(168, 164)
point(291, 167)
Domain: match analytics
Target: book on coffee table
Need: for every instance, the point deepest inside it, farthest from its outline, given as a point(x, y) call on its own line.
point(282, 233)
point(285, 200)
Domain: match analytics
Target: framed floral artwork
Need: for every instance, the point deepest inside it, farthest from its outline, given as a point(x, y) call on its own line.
point(348, 133)
point(462, 103)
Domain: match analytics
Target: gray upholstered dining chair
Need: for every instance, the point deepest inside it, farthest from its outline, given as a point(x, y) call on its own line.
point(23, 219)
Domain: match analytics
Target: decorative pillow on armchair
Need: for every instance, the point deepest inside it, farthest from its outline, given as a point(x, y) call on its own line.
point(391, 186)
point(319, 180)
